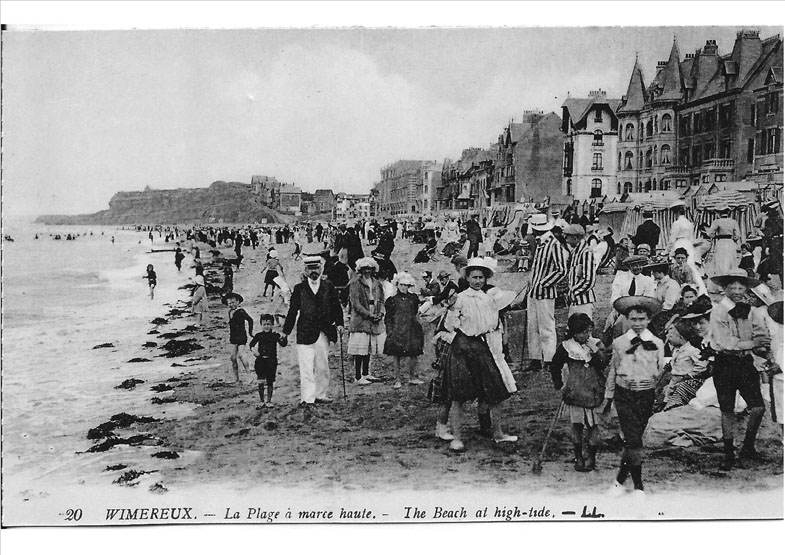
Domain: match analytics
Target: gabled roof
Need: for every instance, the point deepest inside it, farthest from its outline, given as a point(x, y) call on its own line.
point(671, 78)
point(774, 75)
point(740, 186)
point(636, 91)
point(578, 108)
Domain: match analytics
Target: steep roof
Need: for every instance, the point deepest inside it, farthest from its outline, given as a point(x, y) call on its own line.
point(636, 91)
point(671, 78)
point(577, 109)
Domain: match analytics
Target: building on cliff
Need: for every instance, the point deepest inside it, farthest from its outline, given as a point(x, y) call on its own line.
point(324, 200)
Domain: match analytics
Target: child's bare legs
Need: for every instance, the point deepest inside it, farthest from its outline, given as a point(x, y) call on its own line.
point(261, 392)
point(593, 438)
point(233, 354)
point(457, 421)
point(270, 392)
point(498, 434)
point(577, 446)
point(397, 371)
point(413, 379)
point(152, 291)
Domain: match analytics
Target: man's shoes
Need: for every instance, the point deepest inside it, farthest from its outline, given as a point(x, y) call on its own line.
point(324, 401)
point(504, 438)
point(443, 432)
point(362, 381)
point(457, 446)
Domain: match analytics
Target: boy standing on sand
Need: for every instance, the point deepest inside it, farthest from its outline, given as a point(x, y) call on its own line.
point(266, 364)
point(315, 307)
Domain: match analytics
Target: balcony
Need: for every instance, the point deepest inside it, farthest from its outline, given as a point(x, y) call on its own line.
point(597, 143)
point(718, 164)
point(597, 168)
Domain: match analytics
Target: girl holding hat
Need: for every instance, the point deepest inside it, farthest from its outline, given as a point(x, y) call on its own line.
point(199, 299)
point(476, 368)
point(404, 333)
point(366, 327)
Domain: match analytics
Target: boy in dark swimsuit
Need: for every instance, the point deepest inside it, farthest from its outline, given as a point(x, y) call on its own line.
point(237, 336)
point(266, 364)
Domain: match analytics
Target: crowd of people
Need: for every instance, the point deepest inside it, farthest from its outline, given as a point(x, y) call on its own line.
point(707, 306)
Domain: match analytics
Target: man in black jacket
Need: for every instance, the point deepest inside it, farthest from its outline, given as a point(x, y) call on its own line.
point(648, 232)
point(319, 323)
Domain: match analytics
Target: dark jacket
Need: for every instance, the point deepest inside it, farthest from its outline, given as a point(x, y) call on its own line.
point(362, 311)
point(648, 232)
point(318, 313)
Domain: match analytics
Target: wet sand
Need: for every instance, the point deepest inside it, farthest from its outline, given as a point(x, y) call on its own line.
point(378, 438)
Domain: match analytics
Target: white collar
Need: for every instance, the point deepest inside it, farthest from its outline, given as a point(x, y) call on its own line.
point(646, 335)
point(727, 303)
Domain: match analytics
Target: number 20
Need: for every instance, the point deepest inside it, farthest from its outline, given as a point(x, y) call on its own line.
point(73, 514)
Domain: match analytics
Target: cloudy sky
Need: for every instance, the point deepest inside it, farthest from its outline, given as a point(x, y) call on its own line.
point(91, 112)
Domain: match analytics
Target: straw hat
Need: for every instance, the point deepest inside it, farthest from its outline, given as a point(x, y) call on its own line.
point(487, 264)
point(736, 274)
point(635, 260)
point(367, 262)
point(764, 293)
point(701, 307)
point(459, 259)
point(661, 265)
point(313, 261)
point(403, 278)
point(677, 204)
point(233, 295)
point(199, 280)
point(539, 222)
point(623, 305)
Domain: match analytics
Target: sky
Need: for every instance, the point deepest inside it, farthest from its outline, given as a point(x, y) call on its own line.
point(90, 112)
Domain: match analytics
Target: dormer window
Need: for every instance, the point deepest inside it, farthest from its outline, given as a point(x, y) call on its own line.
point(598, 115)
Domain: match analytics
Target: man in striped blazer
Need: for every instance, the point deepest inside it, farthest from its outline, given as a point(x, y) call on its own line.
point(548, 268)
point(581, 275)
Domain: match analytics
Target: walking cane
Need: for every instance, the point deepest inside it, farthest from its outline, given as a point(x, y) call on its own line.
point(343, 376)
point(537, 466)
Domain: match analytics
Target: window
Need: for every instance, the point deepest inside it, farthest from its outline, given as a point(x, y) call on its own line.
point(649, 128)
point(711, 119)
point(628, 187)
point(696, 155)
point(666, 185)
point(666, 123)
point(569, 186)
point(705, 178)
point(725, 148)
point(598, 115)
point(647, 188)
point(751, 149)
point(772, 103)
point(654, 156)
point(753, 109)
point(708, 151)
point(596, 188)
point(628, 157)
point(629, 132)
point(597, 137)
point(618, 188)
point(656, 126)
point(619, 164)
point(698, 122)
point(720, 177)
point(684, 156)
point(684, 125)
point(596, 161)
point(640, 186)
point(640, 159)
point(772, 141)
point(648, 158)
point(665, 155)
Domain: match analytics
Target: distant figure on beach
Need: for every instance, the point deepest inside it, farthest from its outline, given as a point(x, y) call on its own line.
point(178, 257)
point(237, 336)
point(150, 235)
point(199, 299)
point(274, 269)
point(152, 279)
point(266, 365)
point(113, 239)
point(317, 310)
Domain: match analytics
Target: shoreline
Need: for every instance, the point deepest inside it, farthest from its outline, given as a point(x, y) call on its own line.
point(378, 440)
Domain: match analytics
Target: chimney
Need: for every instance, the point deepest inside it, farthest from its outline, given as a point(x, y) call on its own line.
point(661, 64)
point(711, 48)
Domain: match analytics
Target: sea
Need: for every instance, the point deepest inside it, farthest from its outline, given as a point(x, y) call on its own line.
point(60, 299)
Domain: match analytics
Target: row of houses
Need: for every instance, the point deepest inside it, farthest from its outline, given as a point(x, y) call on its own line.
point(287, 198)
point(704, 119)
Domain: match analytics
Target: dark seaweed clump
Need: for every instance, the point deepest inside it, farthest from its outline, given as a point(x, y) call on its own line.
point(121, 420)
point(175, 348)
point(165, 455)
point(130, 383)
point(104, 346)
point(161, 387)
point(139, 359)
point(129, 477)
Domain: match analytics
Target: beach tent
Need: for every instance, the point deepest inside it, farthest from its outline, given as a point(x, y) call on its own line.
point(625, 217)
point(743, 210)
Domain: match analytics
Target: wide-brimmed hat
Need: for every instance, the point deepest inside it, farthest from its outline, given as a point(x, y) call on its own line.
point(623, 305)
point(199, 280)
point(366, 262)
point(654, 265)
point(701, 307)
point(273, 254)
point(764, 293)
point(677, 204)
point(459, 259)
point(775, 312)
point(540, 222)
point(635, 260)
point(233, 295)
point(489, 265)
point(574, 229)
point(403, 278)
point(443, 274)
point(686, 329)
point(771, 205)
point(736, 274)
point(501, 298)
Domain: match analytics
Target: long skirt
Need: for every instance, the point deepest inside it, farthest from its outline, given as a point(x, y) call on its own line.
point(725, 256)
point(361, 343)
point(634, 409)
point(471, 373)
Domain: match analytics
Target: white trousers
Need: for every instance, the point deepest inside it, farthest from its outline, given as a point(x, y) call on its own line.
point(587, 309)
point(541, 328)
point(314, 371)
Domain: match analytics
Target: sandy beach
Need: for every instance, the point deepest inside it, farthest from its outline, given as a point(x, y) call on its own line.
point(377, 438)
